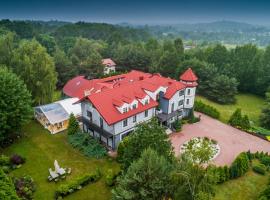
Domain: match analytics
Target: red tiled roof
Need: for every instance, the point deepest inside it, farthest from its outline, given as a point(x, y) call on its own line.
point(108, 93)
point(188, 75)
point(108, 62)
point(104, 102)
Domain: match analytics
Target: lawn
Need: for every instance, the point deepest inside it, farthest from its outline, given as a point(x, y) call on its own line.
point(250, 105)
point(247, 187)
point(41, 149)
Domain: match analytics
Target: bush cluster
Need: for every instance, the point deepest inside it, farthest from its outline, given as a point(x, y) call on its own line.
point(206, 109)
point(240, 165)
point(77, 184)
point(25, 187)
point(259, 168)
point(239, 121)
point(177, 125)
point(88, 145)
point(222, 174)
point(191, 118)
point(12, 162)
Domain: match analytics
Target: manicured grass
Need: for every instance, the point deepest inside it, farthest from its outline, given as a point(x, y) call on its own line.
point(247, 187)
point(251, 105)
point(41, 149)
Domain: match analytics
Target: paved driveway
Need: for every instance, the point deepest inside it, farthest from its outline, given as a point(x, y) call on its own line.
point(231, 141)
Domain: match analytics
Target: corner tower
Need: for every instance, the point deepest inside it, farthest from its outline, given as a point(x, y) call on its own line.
point(190, 80)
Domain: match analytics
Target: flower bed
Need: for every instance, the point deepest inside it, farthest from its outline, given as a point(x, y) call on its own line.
point(198, 144)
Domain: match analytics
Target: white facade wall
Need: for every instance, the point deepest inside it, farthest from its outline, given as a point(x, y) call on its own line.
point(153, 95)
point(140, 117)
point(190, 97)
point(87, 106)
point(175, 100)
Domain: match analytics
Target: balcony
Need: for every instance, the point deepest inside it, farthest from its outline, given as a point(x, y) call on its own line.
point(163, 117)
point(97, 128)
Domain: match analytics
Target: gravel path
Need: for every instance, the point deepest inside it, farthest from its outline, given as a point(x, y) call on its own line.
point(231, 141)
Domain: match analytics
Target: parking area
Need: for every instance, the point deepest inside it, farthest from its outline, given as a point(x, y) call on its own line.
point(231, 140)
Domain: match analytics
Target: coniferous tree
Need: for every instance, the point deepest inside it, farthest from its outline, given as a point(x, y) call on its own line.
point(265, 116)
point(146, 178)
point(73, 125)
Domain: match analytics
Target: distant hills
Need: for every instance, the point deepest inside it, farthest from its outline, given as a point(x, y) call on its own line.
point(226, 32)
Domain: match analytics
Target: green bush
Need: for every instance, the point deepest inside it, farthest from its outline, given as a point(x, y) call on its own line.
point(4, 161)
point(177, 125)
point(206, 109)
point(77, 184)
point(239, 166)
point(265, 160)
point(73, 125)
point(239, 121)
point(259, 168)
point(88, 145)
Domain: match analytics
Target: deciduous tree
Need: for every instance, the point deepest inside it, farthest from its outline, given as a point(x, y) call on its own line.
point(36, 68)
point(15, 103)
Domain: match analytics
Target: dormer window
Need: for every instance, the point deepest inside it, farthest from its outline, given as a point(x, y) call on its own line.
point(134, 106)
point(125, 110)
point(146, 101)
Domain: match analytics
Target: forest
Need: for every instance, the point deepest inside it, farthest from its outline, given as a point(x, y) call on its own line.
point(45, 55)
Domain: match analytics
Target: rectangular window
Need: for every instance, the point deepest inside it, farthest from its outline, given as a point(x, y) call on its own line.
point(172, 109)
point(181, 93)
point(180, 103)
point(134, 106)
point(146, 113)
point(188, 91)
point(89, 114)
point(134, 118)
point(101, 122)
point(124, 110)
point(187, 101)
point(125, 123)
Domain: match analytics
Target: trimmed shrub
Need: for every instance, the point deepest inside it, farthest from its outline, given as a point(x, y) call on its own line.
point(192, 119)
point(88, 145)
point(73, 125)
point(17, 159)
point(177, 125)
point(265, 160)
point(206, 109)
point(239, 121)
point(77, 184)
point(239, 166)
point(259, 168)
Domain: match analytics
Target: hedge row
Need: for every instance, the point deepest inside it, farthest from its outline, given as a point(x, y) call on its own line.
point(206, 109)
point(77, 184)
point(238, 168)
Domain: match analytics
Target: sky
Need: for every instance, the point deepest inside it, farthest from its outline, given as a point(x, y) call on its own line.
point(138, 11)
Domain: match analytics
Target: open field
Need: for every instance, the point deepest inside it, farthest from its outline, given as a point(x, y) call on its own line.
point(41, 149)
point(251, 105)
point(247, 187)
